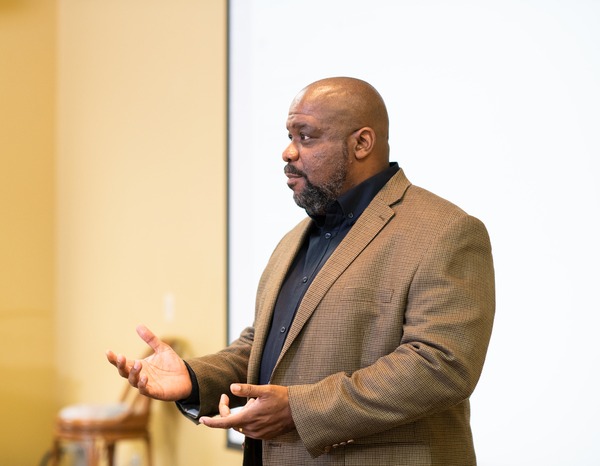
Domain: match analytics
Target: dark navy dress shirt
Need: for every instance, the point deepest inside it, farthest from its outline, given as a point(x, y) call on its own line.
point(326, 233)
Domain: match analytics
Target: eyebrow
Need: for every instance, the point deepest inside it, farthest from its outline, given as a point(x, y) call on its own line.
point(301, 125)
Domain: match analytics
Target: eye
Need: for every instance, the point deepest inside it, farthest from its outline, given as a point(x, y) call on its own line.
point(290, 137)
point(304, 137)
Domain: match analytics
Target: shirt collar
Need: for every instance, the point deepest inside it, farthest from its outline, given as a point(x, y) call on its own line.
point(353, 202)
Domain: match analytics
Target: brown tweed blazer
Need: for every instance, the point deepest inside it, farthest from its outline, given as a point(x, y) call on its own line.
point(387, 344)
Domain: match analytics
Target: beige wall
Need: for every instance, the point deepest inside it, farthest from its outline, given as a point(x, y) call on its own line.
point(27, 85)
point(113, 195)
point(141, 181)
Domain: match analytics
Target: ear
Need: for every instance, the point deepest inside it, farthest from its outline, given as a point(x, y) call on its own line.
point(363, 142)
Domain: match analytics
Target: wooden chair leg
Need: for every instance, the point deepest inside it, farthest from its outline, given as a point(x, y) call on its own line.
point(55, 454)
point(149, 451)
point(110, 451)
point(91, 449)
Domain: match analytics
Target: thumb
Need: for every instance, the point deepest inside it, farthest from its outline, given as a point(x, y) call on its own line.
point(151, 340)
point(246, 390)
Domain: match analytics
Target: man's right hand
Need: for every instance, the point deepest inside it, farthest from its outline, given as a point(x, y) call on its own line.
point(163, 375)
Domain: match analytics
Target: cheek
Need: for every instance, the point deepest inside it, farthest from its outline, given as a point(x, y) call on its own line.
point(316, 173)
point(316, 165)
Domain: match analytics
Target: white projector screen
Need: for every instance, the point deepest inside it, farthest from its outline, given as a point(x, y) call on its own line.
point(494, 105)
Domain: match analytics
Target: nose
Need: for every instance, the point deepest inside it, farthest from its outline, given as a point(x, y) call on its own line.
point(290, 154)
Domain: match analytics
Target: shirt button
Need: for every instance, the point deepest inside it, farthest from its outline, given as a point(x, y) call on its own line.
point(304, 279)
point(327, 235)
point(350, 215)
point(282, 329)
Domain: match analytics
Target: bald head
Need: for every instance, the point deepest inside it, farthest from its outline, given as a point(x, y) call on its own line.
point(349, 104)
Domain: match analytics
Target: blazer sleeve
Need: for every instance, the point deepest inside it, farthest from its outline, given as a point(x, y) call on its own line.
point(447, 327)
point(216, 372)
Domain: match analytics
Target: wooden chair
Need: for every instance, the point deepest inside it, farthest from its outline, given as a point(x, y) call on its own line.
point(98, 428)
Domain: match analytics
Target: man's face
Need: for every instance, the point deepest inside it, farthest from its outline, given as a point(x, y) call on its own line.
point(317, 158)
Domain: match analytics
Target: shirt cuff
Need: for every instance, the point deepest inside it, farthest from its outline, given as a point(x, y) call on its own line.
point(190, 406)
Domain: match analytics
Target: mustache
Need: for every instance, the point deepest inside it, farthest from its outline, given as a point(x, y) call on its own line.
point(291, 170)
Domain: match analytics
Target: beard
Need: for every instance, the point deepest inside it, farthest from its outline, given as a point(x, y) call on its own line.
point(316, 198)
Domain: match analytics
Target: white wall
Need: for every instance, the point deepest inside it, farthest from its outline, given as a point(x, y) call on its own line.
point(493, 105)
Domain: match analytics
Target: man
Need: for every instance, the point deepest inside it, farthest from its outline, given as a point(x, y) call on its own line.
point(372, 318)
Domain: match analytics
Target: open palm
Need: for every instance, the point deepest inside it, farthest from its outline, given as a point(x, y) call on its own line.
point(162, 375)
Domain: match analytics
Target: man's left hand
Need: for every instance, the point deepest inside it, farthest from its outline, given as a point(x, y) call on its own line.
point(266, 415)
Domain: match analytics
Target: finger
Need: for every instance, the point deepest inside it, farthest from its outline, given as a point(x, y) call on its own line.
point(134, 373)
point(122, 365)
point(120, 362)
point(224, 410)
point(248, 390)
point(142, 384)
point(229, 422)
point(112, 357)
point(151, 340)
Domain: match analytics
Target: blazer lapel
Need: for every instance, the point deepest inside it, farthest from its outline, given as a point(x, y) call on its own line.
point(277, 273)
point(369, 224)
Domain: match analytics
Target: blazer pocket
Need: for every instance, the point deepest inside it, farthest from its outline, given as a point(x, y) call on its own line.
point(391, 454)
point(367, 295)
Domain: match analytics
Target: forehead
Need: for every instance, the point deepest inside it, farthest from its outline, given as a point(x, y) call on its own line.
point(299, 121)
point(307, 110)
